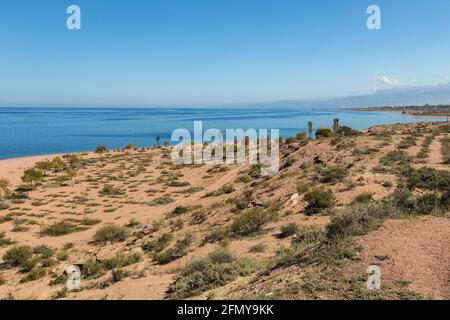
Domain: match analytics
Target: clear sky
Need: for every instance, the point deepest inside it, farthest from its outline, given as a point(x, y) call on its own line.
point(213, 52)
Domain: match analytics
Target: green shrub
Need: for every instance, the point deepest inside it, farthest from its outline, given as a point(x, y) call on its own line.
point(16, 256)
point(445, 200)
point(445, 150)
point(251, 221)
point(324, 133)
point(59, 229)
point(5, 241)
point(215, 270)
point(157, 245)
point(333, 174)
point(318, 200)
point(177, 184)
point(224, 190)
point(345, 131)
point(34, 275)
point(180, 249)
point(44, 251)
point(162, 201)
point(357, 220)
point(427, 203)
point(111, 233)
point(364, 197)
point(29, 264)
point(427, 178)
point(121, 260)
point(258, 248)
point(407, 142)
point(395, 158)
point(110, 190)
point(302, 187)
point(216, 236)
point(288, 230)
point(119, 275)
point(308, 235)
point(7, 218)
point(90, 222)
point(402, 199)
point(92, 269)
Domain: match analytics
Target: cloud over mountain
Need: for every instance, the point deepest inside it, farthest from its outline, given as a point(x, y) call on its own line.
point(397, 95)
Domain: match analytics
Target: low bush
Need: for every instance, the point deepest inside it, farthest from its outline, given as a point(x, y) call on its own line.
point(110, 190)
point(345, 131)
point(318, 200)
point(395, 158)
point(111, 233)
point(157, 245)
point(288, 230)
point(258, 248)
point(364, 197)
point(333, 174)
point(357, 219)
point(162, 201)
point(324, 133)
point(44, 251)
point(33, 275)
point(59, 229)
point(118, 275)
point(180, 249)
point(5, 241)
point(202, 274)
point(251, 221)
point(16, 256)
point(216, 236)
point(121, 260)
point(221, 191)
point(426, 204)
point(427, 178)
point(302, 187)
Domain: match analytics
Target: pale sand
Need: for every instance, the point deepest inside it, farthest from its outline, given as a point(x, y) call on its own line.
point(12, 169)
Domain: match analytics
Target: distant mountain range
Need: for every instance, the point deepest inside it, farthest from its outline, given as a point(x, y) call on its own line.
point(399, 96)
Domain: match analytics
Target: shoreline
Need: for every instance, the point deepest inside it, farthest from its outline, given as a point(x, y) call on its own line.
point(437, 116)
point(12, 168)
point(41, 157)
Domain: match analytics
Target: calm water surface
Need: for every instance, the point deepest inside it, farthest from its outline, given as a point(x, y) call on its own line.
point(38, 131)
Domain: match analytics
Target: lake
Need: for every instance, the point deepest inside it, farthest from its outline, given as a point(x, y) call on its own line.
point(39, 131)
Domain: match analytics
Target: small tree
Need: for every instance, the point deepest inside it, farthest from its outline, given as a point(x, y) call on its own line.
point(73, 160)
point(318, 199)
point(310, 129)
point(32, 176)
point(57, 165)
point(129, 148)
point(158, 140)
point(101, 150)
point(4, 187)
point(336, 125)
point(44, 166)
point(71, 173)
point(324, 133)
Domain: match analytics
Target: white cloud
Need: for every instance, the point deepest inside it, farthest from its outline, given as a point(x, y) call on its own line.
point(388, 82)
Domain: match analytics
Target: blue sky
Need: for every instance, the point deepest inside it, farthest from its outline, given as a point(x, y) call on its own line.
point(215, 52)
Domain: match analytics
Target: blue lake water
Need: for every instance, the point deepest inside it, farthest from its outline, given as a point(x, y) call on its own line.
point(38, 131)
